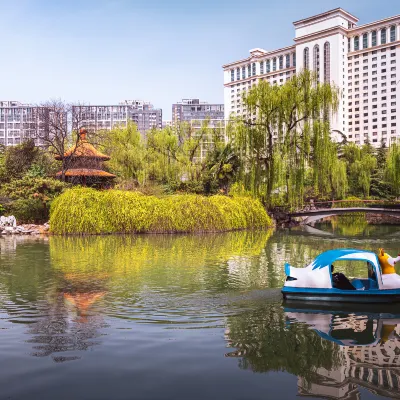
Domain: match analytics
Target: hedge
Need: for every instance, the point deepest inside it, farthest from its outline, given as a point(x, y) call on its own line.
point(88, 211)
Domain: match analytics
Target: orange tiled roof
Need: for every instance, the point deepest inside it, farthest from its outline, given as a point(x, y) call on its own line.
point(84, 149)
point(86, 172)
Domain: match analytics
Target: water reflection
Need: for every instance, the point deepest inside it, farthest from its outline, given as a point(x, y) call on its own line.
point(369, 352)
point(187, 308)
point(69, 323)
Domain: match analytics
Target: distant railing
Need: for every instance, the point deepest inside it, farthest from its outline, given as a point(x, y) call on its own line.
point(320, 205)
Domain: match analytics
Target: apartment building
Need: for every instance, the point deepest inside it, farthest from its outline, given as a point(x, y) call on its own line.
point(167, 123)
point(360, 59)
point(19, 122)
point(196, 110)
point(100, 117)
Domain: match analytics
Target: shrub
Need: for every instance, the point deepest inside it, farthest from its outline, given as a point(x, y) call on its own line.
point(30, 211)
point(26, 187)
point(2, 210)
point(88, 211)
point(29, 198)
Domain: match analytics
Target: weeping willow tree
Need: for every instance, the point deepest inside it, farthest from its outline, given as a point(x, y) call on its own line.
point(285, 138)
point(361, 163)
point(393, 168)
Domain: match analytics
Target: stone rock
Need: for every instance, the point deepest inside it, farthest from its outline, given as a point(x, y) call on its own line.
point(8, 221)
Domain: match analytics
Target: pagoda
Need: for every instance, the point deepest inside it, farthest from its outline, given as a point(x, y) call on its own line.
point(85, 164)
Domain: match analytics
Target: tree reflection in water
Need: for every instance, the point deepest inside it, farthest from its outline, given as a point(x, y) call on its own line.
point(332, 353)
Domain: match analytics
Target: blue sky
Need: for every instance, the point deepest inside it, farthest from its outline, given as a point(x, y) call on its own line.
point(105, 51)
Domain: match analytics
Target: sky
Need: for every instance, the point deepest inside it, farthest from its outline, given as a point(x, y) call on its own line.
point(107, 51)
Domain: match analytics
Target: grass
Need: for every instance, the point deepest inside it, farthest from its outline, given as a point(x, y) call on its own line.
point(85, 211)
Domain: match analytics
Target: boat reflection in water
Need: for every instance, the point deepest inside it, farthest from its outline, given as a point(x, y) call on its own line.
point(369, 349)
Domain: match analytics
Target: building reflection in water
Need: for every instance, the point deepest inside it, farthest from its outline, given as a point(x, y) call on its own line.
point(333, 353)
point(369, 346)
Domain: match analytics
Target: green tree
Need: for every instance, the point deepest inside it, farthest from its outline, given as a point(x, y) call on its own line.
point(380, 187)
point(393, 168)
point(18, 159)
point(223, 164)
point(126, 148)
point(285, 134)
point(361, 163)
point(183, 156)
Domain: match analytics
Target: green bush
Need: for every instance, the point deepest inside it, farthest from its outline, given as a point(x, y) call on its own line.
point(2, 210)
point(29, 198)
point(28, 186)
point(29, 211)
point(89, 211)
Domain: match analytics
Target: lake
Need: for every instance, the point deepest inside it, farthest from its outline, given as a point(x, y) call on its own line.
point(188, 317)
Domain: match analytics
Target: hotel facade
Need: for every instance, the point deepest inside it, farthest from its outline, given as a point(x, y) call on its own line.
point(360, 59)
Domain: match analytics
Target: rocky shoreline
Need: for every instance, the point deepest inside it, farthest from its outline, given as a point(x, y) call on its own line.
point(25, 229)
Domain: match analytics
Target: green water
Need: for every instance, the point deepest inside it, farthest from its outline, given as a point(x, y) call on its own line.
point(191, 316)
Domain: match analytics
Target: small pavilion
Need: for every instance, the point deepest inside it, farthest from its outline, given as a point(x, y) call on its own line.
point(85, 164)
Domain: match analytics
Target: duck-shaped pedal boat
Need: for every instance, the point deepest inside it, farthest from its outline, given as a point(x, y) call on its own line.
point(318, 282)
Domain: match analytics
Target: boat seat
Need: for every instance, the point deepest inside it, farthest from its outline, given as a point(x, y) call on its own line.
point(364, 284)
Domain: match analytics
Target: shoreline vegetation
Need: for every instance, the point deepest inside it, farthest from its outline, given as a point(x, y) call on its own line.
point(86, 211)
point(276, 154)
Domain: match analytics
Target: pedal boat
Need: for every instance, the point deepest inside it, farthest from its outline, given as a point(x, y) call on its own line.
point(314, 282)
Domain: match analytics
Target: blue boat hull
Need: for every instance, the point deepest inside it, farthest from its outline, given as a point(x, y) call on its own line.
point(342, 296)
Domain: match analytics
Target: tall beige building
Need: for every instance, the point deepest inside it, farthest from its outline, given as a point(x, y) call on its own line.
point(361, 60)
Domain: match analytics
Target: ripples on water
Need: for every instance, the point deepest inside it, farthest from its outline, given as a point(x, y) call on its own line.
point(189, 316)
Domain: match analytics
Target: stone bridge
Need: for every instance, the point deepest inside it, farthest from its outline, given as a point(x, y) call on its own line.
point(310, 216)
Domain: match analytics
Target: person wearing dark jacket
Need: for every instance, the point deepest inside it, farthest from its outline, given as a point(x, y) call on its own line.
point(340, 281)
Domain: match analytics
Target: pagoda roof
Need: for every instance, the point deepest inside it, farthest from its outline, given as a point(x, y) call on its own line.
point(83, 149)
point(86, 172)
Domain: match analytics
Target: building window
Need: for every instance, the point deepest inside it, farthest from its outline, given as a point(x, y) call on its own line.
point(383, 36)
point(249, 71)
point(243, 72)
point(262, 67)
point(316, 60)
point(392, 33)
point(232, 75)
point(238, 74)
point(356, 43)
point(327, 62)
point(274, 64)
point(268, 66)
point(306, 60)
point(365, 40)
point(373, 37)
point(254, 69)
point(281, 62)
point(288, 61)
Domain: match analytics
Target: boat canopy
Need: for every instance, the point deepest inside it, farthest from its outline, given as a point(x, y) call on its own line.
point(318, 273)
point(329, 257)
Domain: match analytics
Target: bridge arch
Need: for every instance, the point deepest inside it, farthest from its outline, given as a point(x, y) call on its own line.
point(311, 216)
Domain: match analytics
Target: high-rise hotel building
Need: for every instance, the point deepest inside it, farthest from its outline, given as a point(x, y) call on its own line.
point(360, 59)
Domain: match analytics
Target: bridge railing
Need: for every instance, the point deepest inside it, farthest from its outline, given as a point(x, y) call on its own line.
point(318, 205)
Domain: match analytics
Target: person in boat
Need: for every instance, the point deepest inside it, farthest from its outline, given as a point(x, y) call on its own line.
point(371, 272)
point(340, 281)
